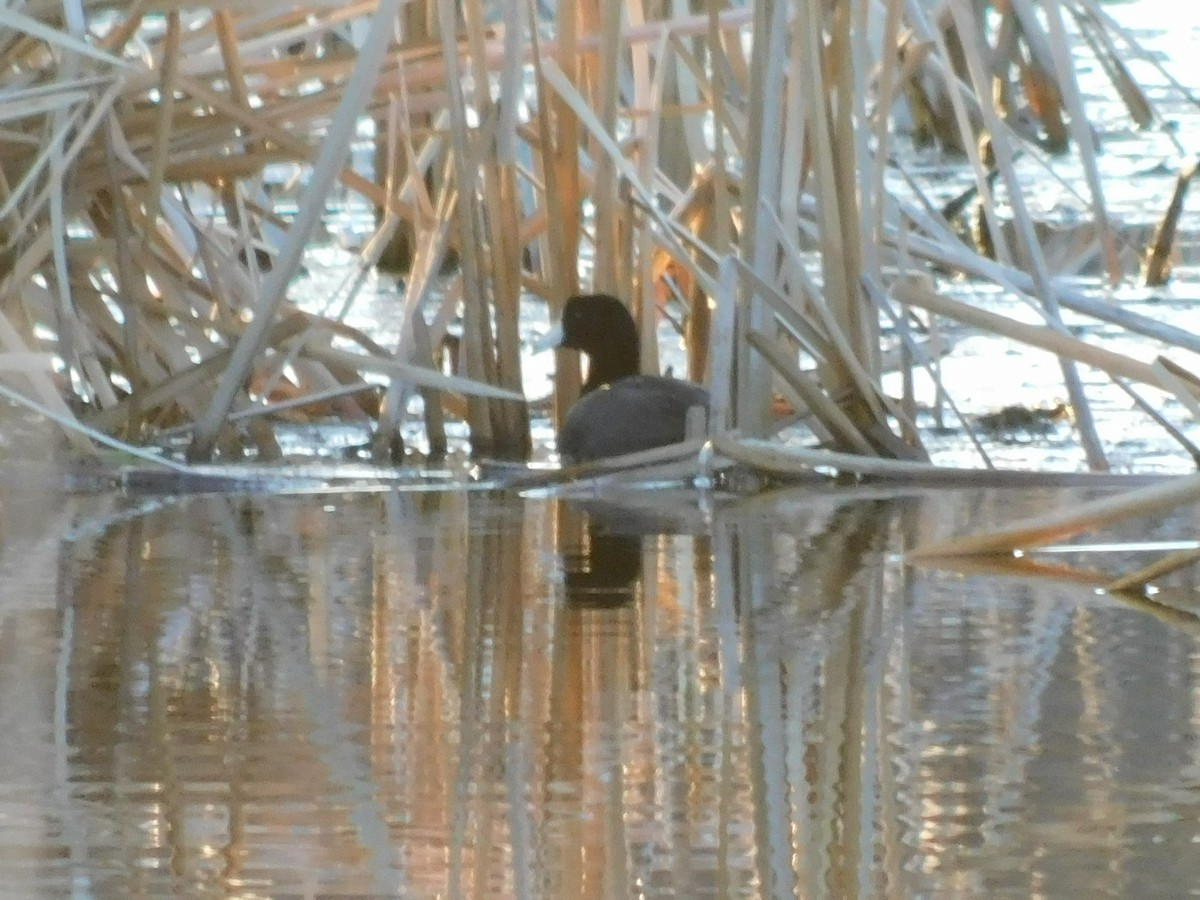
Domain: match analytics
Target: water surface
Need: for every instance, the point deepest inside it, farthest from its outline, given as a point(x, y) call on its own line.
point(479, 695)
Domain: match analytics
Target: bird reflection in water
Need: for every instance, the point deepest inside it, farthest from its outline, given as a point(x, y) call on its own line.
point(604, 569)
point(606, 572)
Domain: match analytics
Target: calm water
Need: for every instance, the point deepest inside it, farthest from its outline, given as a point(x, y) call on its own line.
point(479, 695)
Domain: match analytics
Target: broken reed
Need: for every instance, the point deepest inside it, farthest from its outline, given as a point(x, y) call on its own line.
point(738, 185)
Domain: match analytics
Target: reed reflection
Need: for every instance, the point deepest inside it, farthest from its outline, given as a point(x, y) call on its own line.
point(727, 706)
point(809, 604)
point(399, 691)
point(422, 695)
point(631, 577)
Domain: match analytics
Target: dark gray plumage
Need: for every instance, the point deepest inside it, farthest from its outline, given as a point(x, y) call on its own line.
point(619, 411)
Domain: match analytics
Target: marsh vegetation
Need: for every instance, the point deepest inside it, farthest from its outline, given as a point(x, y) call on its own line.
point(747, 172)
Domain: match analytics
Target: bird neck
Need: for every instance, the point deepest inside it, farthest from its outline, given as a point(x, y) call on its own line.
point(620, 360)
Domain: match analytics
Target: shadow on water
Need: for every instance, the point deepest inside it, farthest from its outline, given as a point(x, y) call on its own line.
point(457, 694)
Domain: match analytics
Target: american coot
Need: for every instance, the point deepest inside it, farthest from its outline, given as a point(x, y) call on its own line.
point(618, 411)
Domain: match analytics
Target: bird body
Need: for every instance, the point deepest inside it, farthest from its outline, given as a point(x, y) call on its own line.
point(619, 410)
point(638, 412)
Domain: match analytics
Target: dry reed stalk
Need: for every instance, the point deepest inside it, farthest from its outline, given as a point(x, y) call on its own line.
point(723, 351)
point(333, 153)
point(675, 138)
point(774, 459)
point(1004, 159)
point(498, 224)
point(648, 96)
point(680, 462)
point(1161, 420)
point(558, 135)
point(1141, 579)
point(840, 426)
point(753, 379)
point(842, 246)
point(1153, 500)
point(1156, 266)
point(1179, 382)
point(1005, 566)
point(925, 354)
point(1172, 607)
point(476, 323)
point(890, 84)
point(719, 220)
point(823, 334)
point(1103, 48)
point(600, 90)
point(435, 422)
point(238, 89)
point(939, 249)
point(131, 342)
point(502, 213)
point(913, 292)
point(1081, 131)
point(818, 121)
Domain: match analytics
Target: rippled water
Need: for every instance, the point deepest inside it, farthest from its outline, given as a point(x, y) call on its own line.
point(475, 694)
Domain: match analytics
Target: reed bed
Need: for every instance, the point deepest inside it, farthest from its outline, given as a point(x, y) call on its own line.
point(739, 168)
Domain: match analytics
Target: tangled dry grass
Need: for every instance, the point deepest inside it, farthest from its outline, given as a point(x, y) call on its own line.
point(735, 160)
